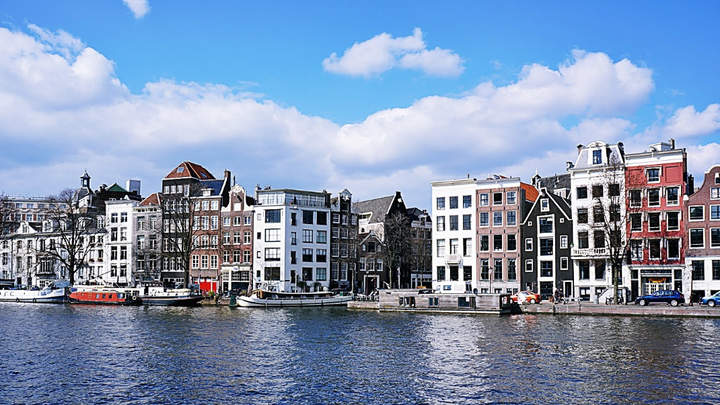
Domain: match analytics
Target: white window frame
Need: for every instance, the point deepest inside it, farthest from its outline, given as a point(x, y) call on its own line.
point(696, 220)
point(690, 238)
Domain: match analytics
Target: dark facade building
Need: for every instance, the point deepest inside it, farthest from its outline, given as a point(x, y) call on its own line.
point(343, 242)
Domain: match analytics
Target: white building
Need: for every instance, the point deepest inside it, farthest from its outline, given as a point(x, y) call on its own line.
point(598, 188)
point(119, 240)
point(291, 240)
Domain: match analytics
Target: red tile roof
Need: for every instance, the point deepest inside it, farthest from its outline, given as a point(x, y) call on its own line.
point(189, 169)
point(152, 199)
point(531, 193)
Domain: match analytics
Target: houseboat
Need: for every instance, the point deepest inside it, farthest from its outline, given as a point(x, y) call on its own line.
point(49, 294)
point(180, 297)
point(271, 299)
point(426, 300)
point(102, 296)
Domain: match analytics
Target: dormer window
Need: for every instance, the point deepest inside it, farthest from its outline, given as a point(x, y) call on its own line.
point(180, 169)
point(597, 157)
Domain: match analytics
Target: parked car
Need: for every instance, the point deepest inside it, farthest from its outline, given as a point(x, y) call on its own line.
point(672, 297)
point(526, 296)
point(712, 300)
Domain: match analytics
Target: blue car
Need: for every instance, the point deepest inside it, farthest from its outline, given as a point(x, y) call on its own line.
point(672, 297)
point(712, 300)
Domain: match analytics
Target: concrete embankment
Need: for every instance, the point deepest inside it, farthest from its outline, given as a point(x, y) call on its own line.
point(586, 308)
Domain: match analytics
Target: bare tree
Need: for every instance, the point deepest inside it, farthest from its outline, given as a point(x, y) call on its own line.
point(398, 243)
point(71, 225)
point(7, 216)
point(612, 216)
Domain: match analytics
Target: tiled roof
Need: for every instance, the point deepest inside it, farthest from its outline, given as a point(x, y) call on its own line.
point(531, 193)
point(152, 199)
point(559, 181)
point(378, 206)
point(189, 169)
point(215, 185)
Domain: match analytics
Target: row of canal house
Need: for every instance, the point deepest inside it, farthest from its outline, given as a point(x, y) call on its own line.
point(638, 212)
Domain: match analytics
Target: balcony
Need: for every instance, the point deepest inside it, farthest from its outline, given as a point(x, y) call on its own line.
point(594, 252)
point(453, 259)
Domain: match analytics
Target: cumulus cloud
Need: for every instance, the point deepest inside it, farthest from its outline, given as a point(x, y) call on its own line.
point(63, 110)
point(138, 7)
point(383, 52)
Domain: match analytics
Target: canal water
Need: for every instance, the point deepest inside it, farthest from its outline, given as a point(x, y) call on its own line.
point(62, 354)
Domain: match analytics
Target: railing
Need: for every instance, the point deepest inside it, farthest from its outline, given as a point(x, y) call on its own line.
point(590, 252)
point(453, 259)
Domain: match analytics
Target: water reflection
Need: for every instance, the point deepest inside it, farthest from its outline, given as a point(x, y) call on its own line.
point(154, 355)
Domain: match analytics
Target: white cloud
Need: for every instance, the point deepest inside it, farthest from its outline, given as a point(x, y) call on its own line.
point(139, 7)
point(383, 52)
point(63, 110)
point(686, 122)
point(701, 158)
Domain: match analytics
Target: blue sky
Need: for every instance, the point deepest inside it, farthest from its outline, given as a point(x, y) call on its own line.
point(371, 96)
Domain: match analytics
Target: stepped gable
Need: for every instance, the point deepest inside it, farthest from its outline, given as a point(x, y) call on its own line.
point(188, 169)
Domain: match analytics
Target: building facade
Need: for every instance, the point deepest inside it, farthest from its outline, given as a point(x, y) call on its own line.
point(702, 272)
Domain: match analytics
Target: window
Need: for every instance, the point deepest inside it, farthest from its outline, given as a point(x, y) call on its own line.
point(511, 197)
point(584, 269)
point(272, 235)
point(581, 193)
point(546, 247)
point(467, 247)
point(636, 249)
point(272, 216)
point(653, 197)
point(453, 246)
point(564, 263)
point(272, 273)
point(583, 240)
point(321, 237)
point(563, 242)
point(321, 218)
point(698, 270)
point(272, 254)
point(673, 248)
point(598, 214)
point(484, 269)
point(307, 235)
point(453, 222)
point(454, 274)
point(307, 255)
point(528, 244)
point(715, 237)
point(544, 205)
point(484, 219)
point(512, 242)
point(440, 223)
point(546, 268)
point(440, 273)
point(497, 243)
point(321, 274)
point(440, 203)
point(582, 216)
point(528, 266)
point(484, 200)
point(293, 218)
point(654, 249)
point(697, 213)
point(467, 222)
point(716, 269)
point(672, 195)
point(441, 248)
point(697, 238)
point(653, 175)
point(247, 237)
point(203, 262)
point(512, 270)
point(597, 191)
point(614, 212)
point(497, 273)
point(654, 221)
point(467, 201)
point(484, 243)
point(596, 157)
point(236, 221)
point(320, 255)
point(195, 261)
point(497, 198)
point(599, 238)
point(453, 202)
point(497, 218)
point(636, 222)
point(599, 270)
point(636, 198)
point(308, 217)
point(545, 224)
point(614, 190)
point(511, 218)
point(715, 212)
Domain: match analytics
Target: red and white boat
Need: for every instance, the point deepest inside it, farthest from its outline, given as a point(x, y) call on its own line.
point(102, 296)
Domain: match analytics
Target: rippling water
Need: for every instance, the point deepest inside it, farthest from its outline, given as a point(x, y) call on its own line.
point(62, 354)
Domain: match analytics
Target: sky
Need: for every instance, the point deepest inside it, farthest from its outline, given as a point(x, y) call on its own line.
point(372, 96)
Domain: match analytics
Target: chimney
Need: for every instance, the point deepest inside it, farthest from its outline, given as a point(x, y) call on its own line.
point(672, 143)
point(690, 185)
point(579, 147)
point(227, 173)
point(569, 165)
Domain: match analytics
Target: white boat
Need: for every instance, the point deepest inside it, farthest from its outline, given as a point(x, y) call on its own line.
point(49, 294)
point(181, 297)
point(274, 299)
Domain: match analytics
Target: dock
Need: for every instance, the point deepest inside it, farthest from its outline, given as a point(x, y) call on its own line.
point(588, 308)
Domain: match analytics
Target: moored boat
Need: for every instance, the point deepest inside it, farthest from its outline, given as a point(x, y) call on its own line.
point(102, 296)
point(268, 299)
point(180, 297)
point(49, 294)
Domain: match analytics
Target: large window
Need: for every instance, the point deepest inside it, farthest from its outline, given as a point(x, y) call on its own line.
point(272, 235)
point(546, 268)
point(453, 202)
point(698, 270)
point(272, 216)
point(584, 269)
point(581, 193)
point(715, 237)
point(673, 248)
point(636, 249)
point(583, 240)
point(467, 225)
point(497, 218)
point(320, 255)
point(635, 198)
point(484, 219)
point(697, 238)
point(697, 213)
point(321, 237)
point(467, 201)
point(511, 197)
point(653, 175)
point(545, 224)
point(596, 157)
point(497, 273)
point(546, 247)
point(636, 222)
point(673, 221)
point(599, 238)
point(715, 212)
point(321, 218)
point(440, 223)
point(512, 242)
point(654, 197)
point(484, 269)
point(440, 203)
point(453, 222)
point(599, 269)
point(497, 243)
point(484, 199)
point(582, 216)
point(440, 248)
point(272, 254)
point(673, 195)
point(272, 273)
point(654, 221)
point(511, 218)
point(512, 270)
point(597, 191)
point(497, 198)
point(484, 243)
point(654, 249)
point(307, 255)
point(307, 235)
point(308, 217)
point(598, 214)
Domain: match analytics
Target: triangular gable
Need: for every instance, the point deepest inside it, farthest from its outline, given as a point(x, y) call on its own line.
point(115, 187)
point(190, 170)
point(542, 194)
